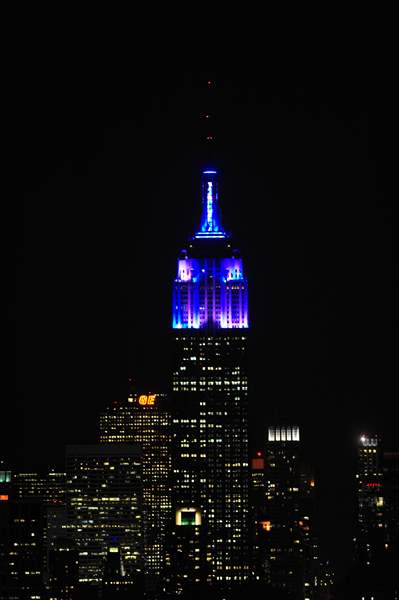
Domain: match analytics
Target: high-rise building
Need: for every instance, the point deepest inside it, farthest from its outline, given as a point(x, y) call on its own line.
point(390, 466)
point(115, 585)
point(210, 390)
point(36, 508)
point(63, 564)
point(370, 538)
point(5, 503)
point(49, 491)
point(22, 567)
point(104, 507)
point(144, 419)
point(285, 548)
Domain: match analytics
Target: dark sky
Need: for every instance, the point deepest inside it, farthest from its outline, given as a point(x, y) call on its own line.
point(104, 159)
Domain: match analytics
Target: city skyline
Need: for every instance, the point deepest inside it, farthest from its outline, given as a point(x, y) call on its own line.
point(325, 300)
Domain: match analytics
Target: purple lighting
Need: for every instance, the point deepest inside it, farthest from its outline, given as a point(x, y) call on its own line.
point(210, 292)
point(210, 220)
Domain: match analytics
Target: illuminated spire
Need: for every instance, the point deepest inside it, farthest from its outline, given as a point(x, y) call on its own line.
point(210, 221)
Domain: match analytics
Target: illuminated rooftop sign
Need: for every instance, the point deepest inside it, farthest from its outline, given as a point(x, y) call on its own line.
point(188, 516)
point(289, 433)
point(147, 400)
point(366, 440)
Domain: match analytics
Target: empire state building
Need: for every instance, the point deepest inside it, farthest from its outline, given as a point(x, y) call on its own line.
point(210, 389)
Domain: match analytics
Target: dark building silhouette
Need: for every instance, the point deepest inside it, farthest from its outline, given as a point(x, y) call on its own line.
point(370, 537)
point(5, 503)
point(63, 563)
point(116, 585)
point(24, 549)
point(285, 548)
point(390, 468)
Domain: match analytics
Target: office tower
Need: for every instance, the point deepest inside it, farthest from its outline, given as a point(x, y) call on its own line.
point(29, 486)
point(390, 466)
point(23, 550)
point(144, 419)
point(63, 569)
point(115, 586)
point(370, 515)
point(5, 502)
point(186, 565)
point(312, 565)
point(104, 507)
point(390, 571)
point(48, 490)
point(210, 388)
point(259, 525)
point(283, 497)
point(324, 584)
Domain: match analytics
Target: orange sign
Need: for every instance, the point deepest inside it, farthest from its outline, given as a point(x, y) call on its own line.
point(3, 497)
point(145, 400)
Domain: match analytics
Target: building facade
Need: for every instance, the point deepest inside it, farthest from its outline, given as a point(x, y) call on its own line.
point(104, 507)
point(370, 538)
point(210, 392)
point(144, 419)
point(285, 549)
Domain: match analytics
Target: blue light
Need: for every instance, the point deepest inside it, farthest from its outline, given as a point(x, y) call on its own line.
point(210, 292)
point(210, 234)
point(210, 220)
point(195, 306)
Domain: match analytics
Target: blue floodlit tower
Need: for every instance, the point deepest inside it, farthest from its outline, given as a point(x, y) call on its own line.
point(210, 287)
point(210, 387)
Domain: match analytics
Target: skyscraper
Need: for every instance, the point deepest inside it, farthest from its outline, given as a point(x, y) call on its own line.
point(22, 549)
point(210, 389)
point(285, 549)
point(370, 522)
point(390, 467)
point(144, 419)
point(104, 507)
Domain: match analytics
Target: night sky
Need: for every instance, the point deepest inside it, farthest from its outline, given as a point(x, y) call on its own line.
point(104, 163)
